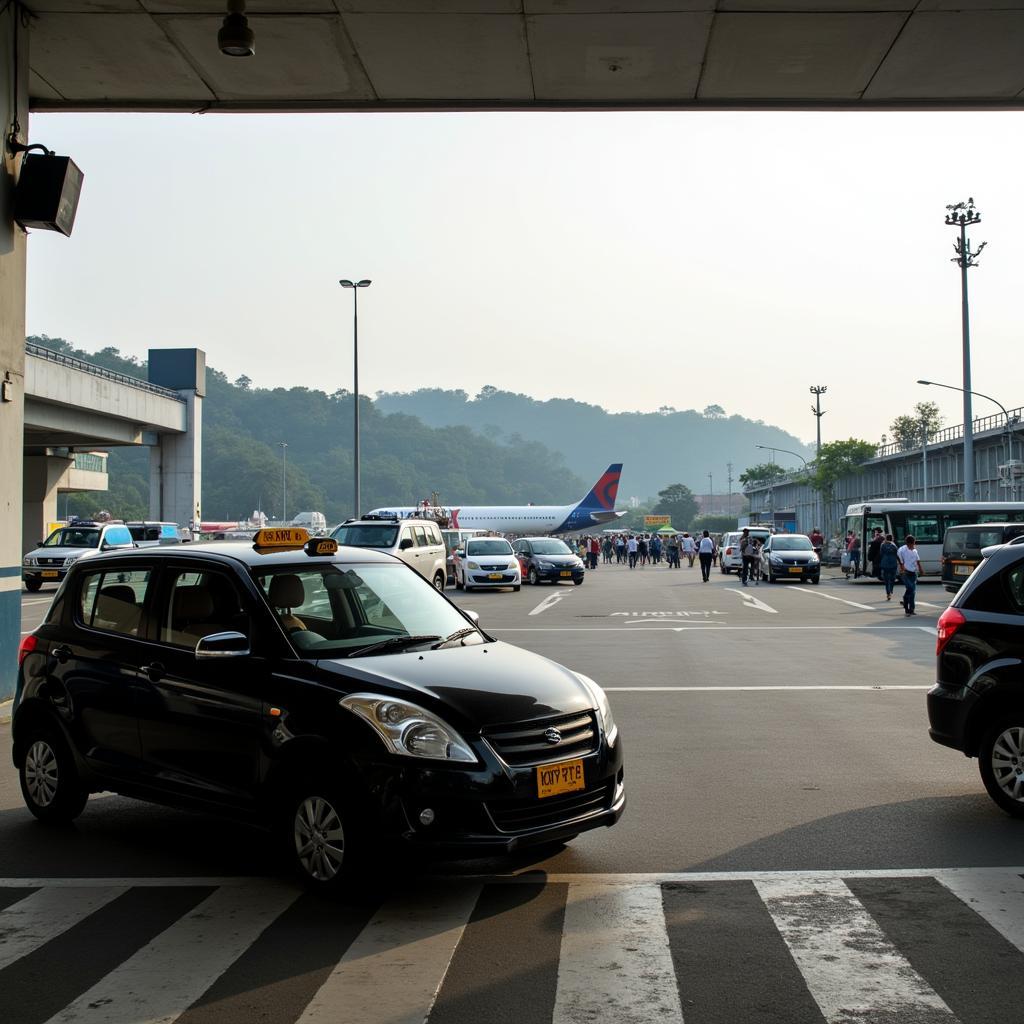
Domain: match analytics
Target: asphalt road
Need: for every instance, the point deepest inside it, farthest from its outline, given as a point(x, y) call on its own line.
point(795, 848)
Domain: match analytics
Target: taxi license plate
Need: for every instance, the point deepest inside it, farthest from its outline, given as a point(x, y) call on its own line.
point(796, 568)
point(49, 574)
point(494, 575)
point(961, 570)
point(565, 777)
point(565, 572)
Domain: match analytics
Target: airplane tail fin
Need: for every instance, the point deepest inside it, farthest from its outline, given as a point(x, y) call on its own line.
point(602, 494)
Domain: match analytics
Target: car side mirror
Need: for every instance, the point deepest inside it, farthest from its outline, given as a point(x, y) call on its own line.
point(39, 543)
point(223, 645)
point(405, 544)
point(474, 617)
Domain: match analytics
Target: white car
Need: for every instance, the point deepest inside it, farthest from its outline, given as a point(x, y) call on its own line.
point(51, 559)
point(486, 562)
point(729, 557)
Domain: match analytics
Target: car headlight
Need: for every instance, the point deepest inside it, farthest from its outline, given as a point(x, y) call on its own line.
point(545, 565)
point(813, 560)
point(472, 565)
point(604, 709)
point(28, 560)
point(409, 730)
point(775, 559)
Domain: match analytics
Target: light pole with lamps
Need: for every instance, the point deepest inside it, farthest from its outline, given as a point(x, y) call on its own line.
point(785, 451)
point(355, 286)
point(284, 481)
point(962, 215)
point(1009, 431)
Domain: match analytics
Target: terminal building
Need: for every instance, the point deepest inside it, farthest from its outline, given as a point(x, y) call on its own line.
point(359, 55)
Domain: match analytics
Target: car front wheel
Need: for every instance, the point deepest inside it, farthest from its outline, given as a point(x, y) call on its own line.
point(322, 837)
point(50, 785)
point(33, 585)
point(1001, 761)
point(532, 577)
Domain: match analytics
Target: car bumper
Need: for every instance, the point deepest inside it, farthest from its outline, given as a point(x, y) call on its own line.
point(949, 709)
point(43, 575)
point(483, 579)
point(557, 575)
point(786, 572)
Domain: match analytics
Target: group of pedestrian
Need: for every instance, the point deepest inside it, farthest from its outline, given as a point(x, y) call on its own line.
point(750, 552)
point(886, 562)
point(640, 549)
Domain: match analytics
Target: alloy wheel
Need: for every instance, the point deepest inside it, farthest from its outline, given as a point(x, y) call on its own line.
point(41, 775)
point(1008, 761)
point(319, 839)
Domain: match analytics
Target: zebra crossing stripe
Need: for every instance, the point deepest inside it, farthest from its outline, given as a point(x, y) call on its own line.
point(997, 894)
point(851, 969)
point(615, 964)
point(35, 920)
point(392, 972)
point(165, 977)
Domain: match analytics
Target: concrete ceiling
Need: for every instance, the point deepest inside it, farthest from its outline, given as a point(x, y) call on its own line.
point(523, 54)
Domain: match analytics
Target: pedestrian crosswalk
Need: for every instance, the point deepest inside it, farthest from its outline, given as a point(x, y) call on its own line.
point(872, 947)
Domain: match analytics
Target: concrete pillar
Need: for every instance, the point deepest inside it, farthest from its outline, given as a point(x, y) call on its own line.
point(13, 54)
point(176, 462)
point(43, 474)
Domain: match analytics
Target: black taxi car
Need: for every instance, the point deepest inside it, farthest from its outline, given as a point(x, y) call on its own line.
point(330, 693)
point(547, 559)
point(977, 703)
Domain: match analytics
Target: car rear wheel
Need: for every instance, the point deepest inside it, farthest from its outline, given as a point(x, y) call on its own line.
point(50, 784)
point(439, 581)
point(1001, 761)
point(33, 585)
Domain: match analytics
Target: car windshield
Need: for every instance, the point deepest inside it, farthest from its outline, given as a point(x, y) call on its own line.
point(550, 547)
point(367, 535)
point(74, 537)
point(331, 612)
point(792, 544)
point(488, 547)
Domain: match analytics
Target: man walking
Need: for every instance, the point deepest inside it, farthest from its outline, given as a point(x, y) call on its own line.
point(631, 548)
point(706, 552)
point(888, 563)
point(910, 569)
point(874, 549)
point(748, 569)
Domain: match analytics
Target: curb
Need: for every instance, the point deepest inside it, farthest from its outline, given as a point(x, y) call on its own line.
point(5, 710)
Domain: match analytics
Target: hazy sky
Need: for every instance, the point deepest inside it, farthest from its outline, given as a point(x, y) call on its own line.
point(632, 260)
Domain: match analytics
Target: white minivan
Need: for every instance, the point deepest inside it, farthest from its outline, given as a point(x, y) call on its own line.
point(729, 557)
point(417, 542)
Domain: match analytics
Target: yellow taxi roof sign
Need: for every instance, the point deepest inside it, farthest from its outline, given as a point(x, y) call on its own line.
point(321, 546)
point(281, 537)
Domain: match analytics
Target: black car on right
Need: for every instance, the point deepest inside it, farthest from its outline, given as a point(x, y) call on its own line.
point(547, 560)
point(977, 703)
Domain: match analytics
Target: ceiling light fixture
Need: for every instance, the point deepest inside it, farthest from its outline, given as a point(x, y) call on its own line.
point(235, 38)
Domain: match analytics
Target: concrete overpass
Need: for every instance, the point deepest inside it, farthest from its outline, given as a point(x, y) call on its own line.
point(72, 404)
point(465, 54)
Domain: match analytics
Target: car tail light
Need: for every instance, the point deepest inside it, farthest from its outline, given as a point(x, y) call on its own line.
point(728, 551)
point(28, 645)
point(949, 622)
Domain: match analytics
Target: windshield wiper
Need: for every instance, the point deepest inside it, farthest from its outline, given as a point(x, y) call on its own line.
point(457, 635)
point(394, 641)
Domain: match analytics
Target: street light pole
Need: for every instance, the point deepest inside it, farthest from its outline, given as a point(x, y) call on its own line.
point(355, 286)
point(818, 390)
point(1006, 417)
point(961, 215)
point(711, 494)
point(284, 481)
point(785, 451)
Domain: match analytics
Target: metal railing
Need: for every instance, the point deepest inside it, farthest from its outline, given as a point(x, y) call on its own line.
point(997, 421)
point(98, 371)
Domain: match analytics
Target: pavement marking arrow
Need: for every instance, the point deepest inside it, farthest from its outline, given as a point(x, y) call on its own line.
point(752, 602)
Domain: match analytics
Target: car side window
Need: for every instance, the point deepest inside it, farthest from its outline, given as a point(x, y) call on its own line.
point(421, 537)
point(1015, 587)
point(113, 601)
point(198, 604)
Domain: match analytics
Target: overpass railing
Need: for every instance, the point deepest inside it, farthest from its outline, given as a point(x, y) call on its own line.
point(997, 421)
point(99, 371)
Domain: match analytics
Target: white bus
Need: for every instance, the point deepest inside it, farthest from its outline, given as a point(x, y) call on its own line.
point(927, 521)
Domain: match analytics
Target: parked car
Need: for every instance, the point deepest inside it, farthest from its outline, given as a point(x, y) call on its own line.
point(977, 703)
point(790, 556)
point(453, 540)
point(729, 557)
point(326, 693)
point(548, 559)
point(53, 557)
point(486, 562)
point(145, 533)
point(962, 547)
point(417, 542)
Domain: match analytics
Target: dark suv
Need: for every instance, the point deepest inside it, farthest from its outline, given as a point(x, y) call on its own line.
point(977, 703)
point(331, 693)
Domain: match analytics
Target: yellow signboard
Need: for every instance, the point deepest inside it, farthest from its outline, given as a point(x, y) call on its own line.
point(321, 546)
point(281, 537)
point(657, 520)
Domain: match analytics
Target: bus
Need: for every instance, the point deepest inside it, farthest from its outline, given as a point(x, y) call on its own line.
point(927, 521)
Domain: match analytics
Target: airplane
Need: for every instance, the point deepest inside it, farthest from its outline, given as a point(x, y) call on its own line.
point(596, 508)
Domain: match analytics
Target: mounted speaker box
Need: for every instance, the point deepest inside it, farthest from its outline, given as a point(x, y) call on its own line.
point(47, 193)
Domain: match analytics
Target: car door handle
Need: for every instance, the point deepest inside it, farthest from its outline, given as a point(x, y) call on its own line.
point(154, 672)
point(61, 653)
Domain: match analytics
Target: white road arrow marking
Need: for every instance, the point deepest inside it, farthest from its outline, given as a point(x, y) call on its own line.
point(549, 601)
point(752, 602)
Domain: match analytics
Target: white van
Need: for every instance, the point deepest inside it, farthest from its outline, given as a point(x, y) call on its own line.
point(417, 542)
point(729, 556)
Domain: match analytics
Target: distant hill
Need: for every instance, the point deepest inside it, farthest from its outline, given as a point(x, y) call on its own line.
point(403, 460)
point(657, 448)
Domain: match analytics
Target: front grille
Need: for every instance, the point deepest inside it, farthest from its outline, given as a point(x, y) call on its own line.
point(51, 561)
point(506, 578)
point(524, 743)
point(524, 815)
point(495, 568)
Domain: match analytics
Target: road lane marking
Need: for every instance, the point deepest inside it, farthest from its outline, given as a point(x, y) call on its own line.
point(35, 920)
point(393, 971)
point(996, 894)
point(851, 969)
point(754, 689)
point(549, 602)
point(930, 630)
point(615, 963)
point(842, 600)
point(751, 601)
point(201, 946)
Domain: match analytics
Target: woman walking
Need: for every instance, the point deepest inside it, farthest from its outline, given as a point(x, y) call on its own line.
point(706, 551)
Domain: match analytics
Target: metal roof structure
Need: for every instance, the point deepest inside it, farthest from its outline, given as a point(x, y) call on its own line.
point(340, 55)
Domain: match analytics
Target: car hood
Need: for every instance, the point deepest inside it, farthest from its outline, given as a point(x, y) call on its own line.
point(795, 556)
point(557, 559)
point(61, 552)
point(479, 685)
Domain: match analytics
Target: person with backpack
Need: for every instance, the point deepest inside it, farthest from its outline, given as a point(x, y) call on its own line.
point(888, 563)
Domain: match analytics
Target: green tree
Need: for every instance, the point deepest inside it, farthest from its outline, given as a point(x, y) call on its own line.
point(908, 431)
point(714, 412)
point(762, 471)
point(714, 522)
point(677, 501)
